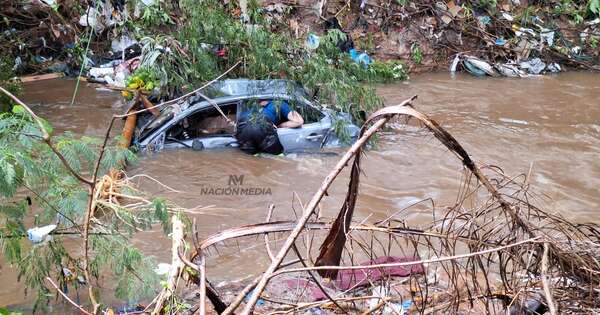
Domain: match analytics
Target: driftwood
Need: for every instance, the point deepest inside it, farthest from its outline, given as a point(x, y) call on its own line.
point(489, 254)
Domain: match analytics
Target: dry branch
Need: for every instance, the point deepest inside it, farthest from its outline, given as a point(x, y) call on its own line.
point(472, 243)
point(177, 265)
point(310, 208)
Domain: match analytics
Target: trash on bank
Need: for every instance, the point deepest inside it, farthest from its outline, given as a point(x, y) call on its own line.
point(510, 70)
point(312, 41)
point(39, 234)
point(480, 68)
point(114, 72)
point(360, 58)
point(533, 66)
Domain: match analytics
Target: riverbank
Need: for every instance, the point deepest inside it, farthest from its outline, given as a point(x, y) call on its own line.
point(425, 35)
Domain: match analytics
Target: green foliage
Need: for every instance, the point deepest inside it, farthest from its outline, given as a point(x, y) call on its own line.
point(527, 14)
point(487, 4)
point(154, 15)
point(415, 53)
point(577, 18)
point(386, 71)
point(4, 311)
point(594, 7)
point(7, 81)
point(593, 42)
point(133, 271)
point(29, 167)
point(329, 74)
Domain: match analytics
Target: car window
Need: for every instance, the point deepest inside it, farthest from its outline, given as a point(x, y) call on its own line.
point(206, 122)
point(165, 115)
point(310, 114)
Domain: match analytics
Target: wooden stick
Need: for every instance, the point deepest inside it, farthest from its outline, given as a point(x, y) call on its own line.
point(40, 77)
point(269, 214)
point(149, 106)
point(177, 265)
point(545, 282)
point(202, 269)
point(129, 127)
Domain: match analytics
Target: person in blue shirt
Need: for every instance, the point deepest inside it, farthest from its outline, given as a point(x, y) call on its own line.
point(257, 127)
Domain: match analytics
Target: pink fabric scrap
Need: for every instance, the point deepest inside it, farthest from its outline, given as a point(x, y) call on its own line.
point(354, 278)
point(350, 278)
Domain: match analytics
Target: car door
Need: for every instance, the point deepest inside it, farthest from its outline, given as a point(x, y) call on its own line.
point(313, 133)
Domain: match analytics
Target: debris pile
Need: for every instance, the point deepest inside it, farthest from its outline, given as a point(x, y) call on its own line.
point(511, 36)
point(492, 251)
point(429, 34)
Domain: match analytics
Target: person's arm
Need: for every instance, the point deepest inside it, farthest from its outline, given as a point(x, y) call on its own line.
point(294, 120)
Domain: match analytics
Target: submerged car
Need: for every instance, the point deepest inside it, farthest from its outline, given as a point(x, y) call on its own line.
point(202, 124)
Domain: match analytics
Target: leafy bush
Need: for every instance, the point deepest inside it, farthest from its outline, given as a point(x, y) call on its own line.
point(211, 40)
point(594, 7)
point(28, 167)
point(7, 81)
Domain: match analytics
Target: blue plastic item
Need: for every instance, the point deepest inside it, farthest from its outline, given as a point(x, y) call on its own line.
point(500, 41)
point(260, 302)
point(312, 41)
point(360, 58)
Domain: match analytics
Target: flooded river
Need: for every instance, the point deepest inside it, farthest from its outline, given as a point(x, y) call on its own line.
point(551, 122)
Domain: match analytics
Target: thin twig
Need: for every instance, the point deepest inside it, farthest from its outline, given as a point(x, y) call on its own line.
point(409, 263)
point(317, 282)
point(81, 309)
point(268, 247)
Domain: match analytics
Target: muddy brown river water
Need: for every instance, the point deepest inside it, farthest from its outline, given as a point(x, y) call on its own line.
point(550, 122)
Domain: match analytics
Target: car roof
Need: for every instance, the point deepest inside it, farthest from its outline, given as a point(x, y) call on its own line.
point(247, 87)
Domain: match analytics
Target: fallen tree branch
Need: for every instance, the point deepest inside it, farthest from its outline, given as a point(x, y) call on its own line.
point(175, 100)
point(310, 208)
point(47, 138)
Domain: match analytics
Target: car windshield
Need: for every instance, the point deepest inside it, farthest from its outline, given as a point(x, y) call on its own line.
point(165, 115)
point(213, 92)
point(168, 112)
